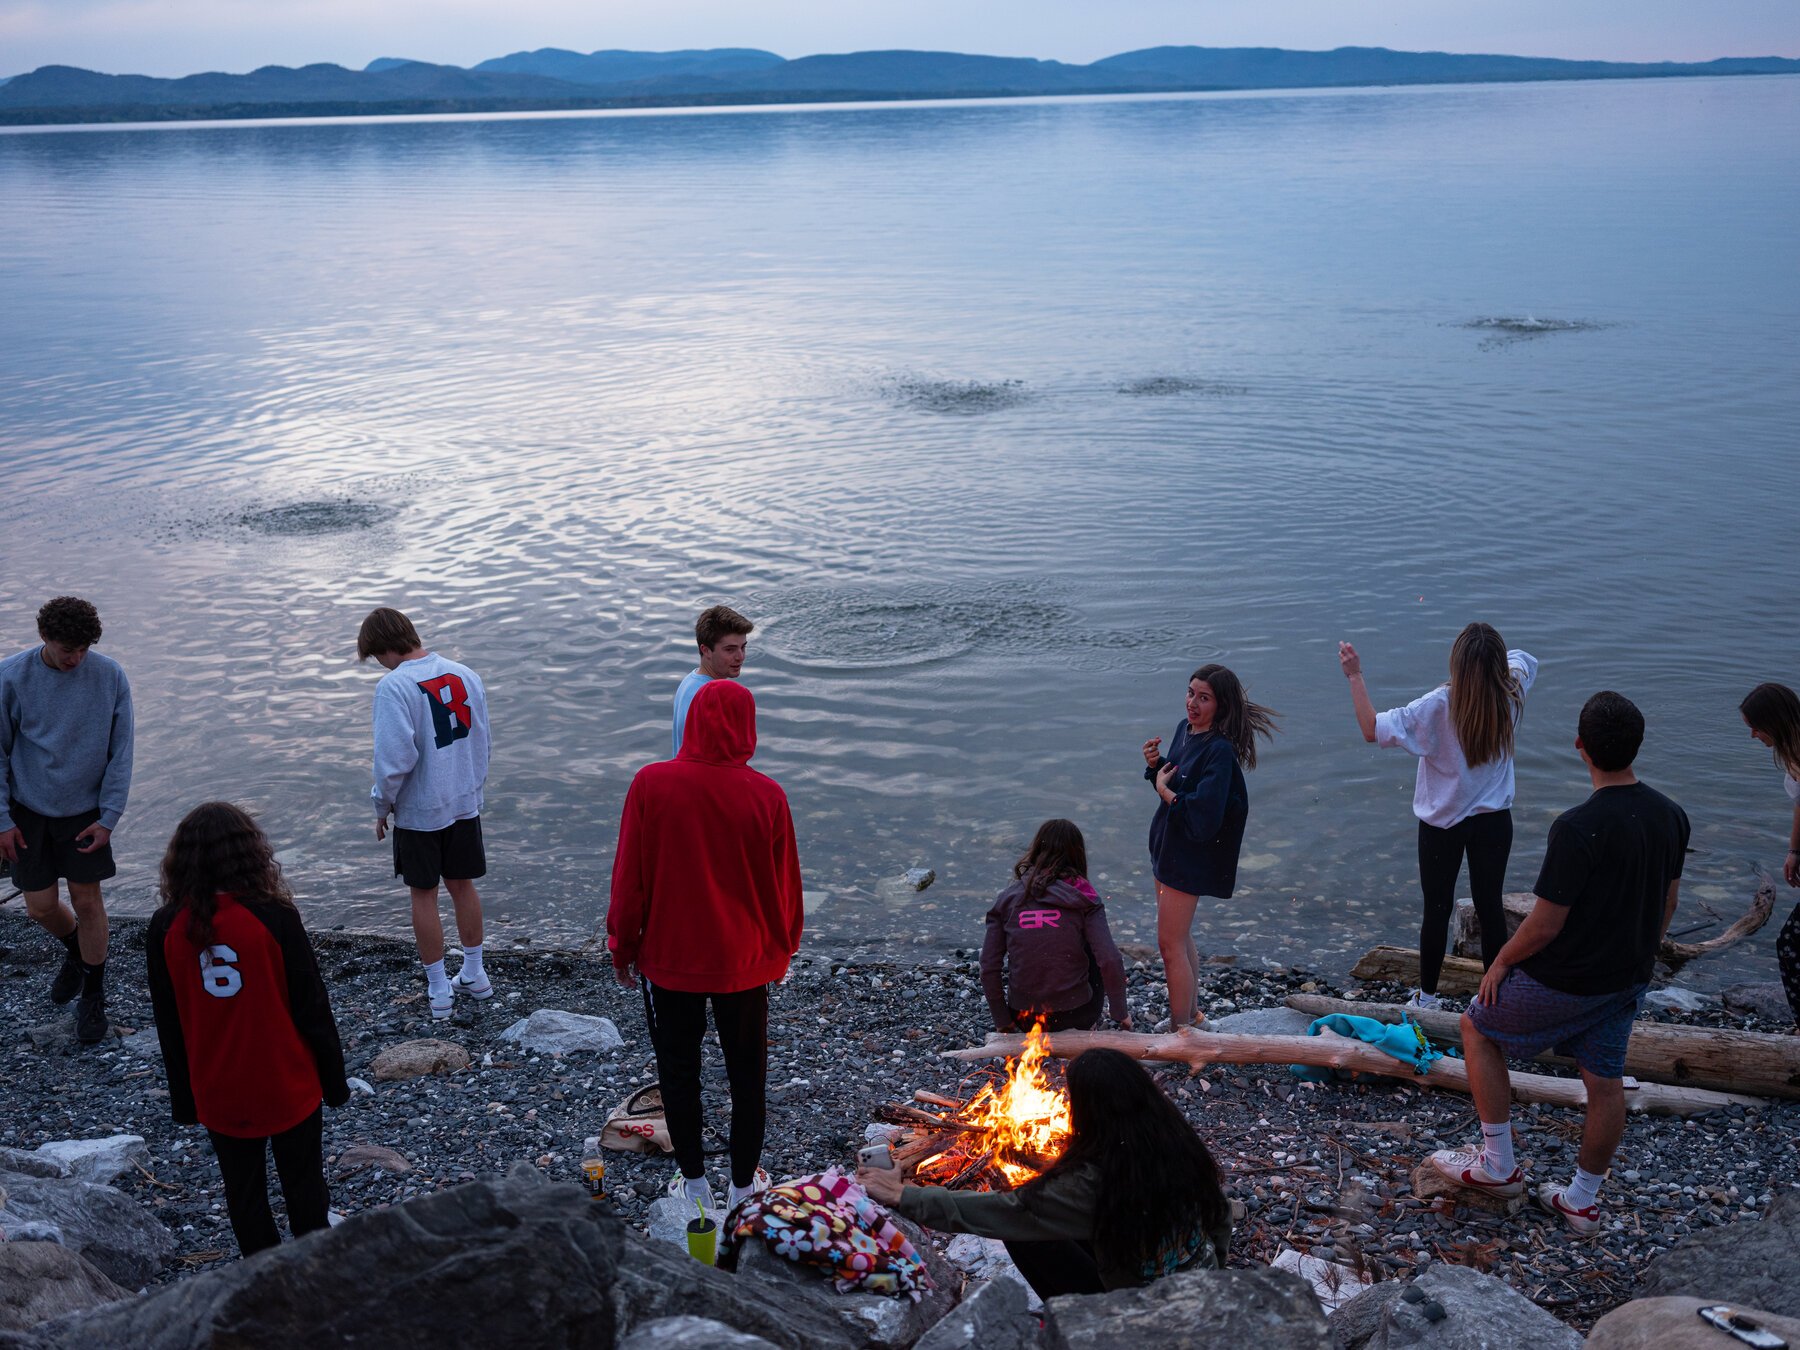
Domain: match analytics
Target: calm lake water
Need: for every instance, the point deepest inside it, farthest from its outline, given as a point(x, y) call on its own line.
point(998, 418)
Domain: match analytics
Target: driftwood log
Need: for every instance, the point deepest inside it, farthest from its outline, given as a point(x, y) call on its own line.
point(1702, 1057)
point(1198, 1049)
point(1762, 905)
point(1400, 965)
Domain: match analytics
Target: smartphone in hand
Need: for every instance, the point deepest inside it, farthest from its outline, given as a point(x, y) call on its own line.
point(878, 1156)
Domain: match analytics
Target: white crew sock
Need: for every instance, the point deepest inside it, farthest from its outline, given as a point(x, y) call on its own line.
point(695, 1188)
point(1582, 1191)
point(471, 965)
point(1497, 1149)
point(738, 1193)
point(436, 980)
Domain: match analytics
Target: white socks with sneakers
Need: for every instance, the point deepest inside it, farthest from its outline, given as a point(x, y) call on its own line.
point(1497, 1149)
point(695, 1188)
point(436, 980)
point(737, 1193)
point(1582, 1191)
point(471, 966)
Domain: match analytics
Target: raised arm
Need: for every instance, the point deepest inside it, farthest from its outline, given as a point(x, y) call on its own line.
point(1359, 692)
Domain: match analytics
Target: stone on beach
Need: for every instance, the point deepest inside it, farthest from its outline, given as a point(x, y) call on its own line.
point(29, 1165)
point(1428, 1183)
point(691, 1333)
point(1480, 1312)
point(1756, 1265)
point(1358, 1321)
point(41, 1280)
point(1685, 999)
point(359, 1156)
point(1268, 1309)
point(550, 1031)
point(1674, 1324)
point(1765, 1000)
point(1261, 1022)
point(105, 1225)
point(415, 1059)
point(992, 1316)
point(97, 1160)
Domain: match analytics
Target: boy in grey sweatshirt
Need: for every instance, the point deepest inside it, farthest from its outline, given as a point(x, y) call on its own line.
point(65, 738)
point(431, 760)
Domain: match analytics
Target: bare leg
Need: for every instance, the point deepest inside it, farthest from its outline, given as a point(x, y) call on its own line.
point(428, 928)
point(56, 918)
point(1174, 939)
point(468, 911)
point(90, 912)
point(1605, 1123)
point(1489, 1082)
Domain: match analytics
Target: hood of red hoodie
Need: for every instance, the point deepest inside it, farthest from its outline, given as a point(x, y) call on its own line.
point(721, 724)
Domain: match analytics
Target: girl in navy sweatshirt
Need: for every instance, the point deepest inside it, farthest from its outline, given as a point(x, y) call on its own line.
point(1047, 932)
point(248, 1040)
point(1199, 827)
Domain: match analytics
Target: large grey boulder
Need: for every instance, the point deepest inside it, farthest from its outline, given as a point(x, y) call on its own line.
point(1672, 1324)
point(691, 1333)
point(505, 1263)
point(105, 1225)
point(98, 1160)
point(992, 1316)
point(1754, 1264)
point(1359, 1321)
point(1480, 1313)
point(30, 1164)
point(550, 1031)
point(1261, 1022)
point(1267, 1309)
point(1768, 1000)
point(40, 1280)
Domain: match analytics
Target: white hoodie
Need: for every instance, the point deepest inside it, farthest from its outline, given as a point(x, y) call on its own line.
point(431, 743)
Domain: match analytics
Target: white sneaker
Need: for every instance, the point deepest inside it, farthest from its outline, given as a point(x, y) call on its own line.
point(1581, 1221)
point(1467, 1169)
point(1421, 999)
point(442, 1005)
point(678, 1189)
point(758, 1183)
point(482, 987)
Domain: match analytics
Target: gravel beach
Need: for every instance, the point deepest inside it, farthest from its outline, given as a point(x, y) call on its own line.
point(1321, 1169)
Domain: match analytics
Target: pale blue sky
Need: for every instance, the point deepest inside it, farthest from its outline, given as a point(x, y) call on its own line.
point(178, 37)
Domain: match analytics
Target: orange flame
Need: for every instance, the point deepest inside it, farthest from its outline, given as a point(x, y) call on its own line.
point(1025, 1115)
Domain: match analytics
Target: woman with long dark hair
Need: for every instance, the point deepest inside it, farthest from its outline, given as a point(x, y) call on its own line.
point(1198, 829)
point(1134, 1196)
point(248, 1040)
point(1462, 734)
point(1772, 712)
point(1048, 956)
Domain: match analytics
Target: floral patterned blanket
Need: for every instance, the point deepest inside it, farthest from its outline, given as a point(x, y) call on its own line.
point(829, 1221)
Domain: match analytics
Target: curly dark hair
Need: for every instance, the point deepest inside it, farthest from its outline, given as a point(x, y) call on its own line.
point(70, 620)
point(1057, 853)
point(218, 847)
point(1157, 1180)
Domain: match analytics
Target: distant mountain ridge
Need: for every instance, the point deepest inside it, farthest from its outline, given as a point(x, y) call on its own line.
point(555, 78)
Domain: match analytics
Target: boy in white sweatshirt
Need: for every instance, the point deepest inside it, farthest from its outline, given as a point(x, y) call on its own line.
point(431, 759)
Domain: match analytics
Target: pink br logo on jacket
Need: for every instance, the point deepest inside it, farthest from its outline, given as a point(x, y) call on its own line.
point(1040, 918)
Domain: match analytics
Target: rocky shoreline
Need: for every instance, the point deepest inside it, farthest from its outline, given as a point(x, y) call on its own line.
point(1324, 1170)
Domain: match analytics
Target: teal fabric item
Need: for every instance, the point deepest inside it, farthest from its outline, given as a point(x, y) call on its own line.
point(1405, 1041)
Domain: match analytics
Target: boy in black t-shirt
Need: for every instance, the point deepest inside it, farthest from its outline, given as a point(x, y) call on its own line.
point(1573, 975)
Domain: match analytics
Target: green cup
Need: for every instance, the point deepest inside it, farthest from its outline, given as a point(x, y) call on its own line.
point(703, 1240)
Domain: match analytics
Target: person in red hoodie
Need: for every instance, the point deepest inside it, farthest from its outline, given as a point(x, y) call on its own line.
point(706, 908)
point(248, 1040)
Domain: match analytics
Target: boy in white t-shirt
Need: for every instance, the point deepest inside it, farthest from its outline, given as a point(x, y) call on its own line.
point(722, 635)
point(1462, 734)
point(431, 762)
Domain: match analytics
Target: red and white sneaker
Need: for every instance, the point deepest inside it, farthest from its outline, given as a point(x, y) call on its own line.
point(1467, 1169)
point(1582, 1221)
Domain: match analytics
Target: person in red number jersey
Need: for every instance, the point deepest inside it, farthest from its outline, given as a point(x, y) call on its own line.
point(248, 1040)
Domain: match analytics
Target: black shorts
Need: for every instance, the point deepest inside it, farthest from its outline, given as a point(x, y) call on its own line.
point(50, 850)
point(453, 853)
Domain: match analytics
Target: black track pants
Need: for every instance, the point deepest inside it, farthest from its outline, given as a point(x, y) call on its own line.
point(299, 1162)
point(1487, 839)
point(1787, 951)
point(677, 1027)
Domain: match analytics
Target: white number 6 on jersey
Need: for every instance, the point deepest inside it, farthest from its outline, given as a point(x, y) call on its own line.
point(217, 976)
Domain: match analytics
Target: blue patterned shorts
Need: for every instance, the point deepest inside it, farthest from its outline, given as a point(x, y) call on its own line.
point(1530, 1018)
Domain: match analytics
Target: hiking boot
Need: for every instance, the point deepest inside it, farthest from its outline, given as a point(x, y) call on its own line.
point(90, 1019)
point(67, 983)
point(1581, 1221)
point(1466, 1169)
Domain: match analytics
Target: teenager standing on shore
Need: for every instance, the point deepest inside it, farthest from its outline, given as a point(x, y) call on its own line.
point(431, 762)
point(66, 738)
point(1462, 734)
point(1772, 712)
point(706, 907)
point(723, 636)
point(1198, 829)
point(248, 1040)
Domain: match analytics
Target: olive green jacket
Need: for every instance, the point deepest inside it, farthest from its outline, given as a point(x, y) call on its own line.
point(1062, 1209)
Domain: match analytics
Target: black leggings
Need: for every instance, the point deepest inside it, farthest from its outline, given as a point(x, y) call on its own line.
point(1787, 952)
point(1053, 1268)
point(1487, 838)
point(299, 1162)
point(677, 1027)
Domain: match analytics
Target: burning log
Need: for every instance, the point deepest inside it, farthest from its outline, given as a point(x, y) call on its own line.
point(1201, 1048)
point(1702, 1057)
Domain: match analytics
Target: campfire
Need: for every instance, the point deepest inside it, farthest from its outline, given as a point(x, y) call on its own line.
point(1011, 1128)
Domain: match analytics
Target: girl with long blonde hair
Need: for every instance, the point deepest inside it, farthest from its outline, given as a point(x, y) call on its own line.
point(1462, 733)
